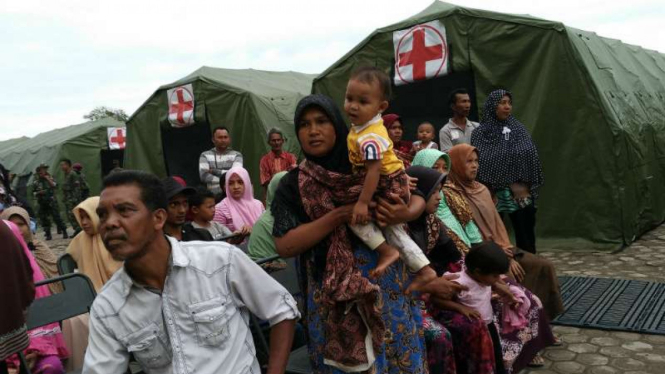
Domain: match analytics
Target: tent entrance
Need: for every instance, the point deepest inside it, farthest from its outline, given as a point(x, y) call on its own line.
point(110, 159)
point(182, 148)
point(428, 101)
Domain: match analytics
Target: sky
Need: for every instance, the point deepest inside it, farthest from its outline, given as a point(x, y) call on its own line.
point(61, 59)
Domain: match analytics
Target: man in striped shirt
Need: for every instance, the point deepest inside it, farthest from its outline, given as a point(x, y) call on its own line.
point(214, 163)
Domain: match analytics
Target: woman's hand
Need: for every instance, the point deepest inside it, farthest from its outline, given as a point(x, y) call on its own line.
point(509, 252)
point(470, 313)
point(517, 271)
point(395, 211)
point(244, 231)
point(413, 183)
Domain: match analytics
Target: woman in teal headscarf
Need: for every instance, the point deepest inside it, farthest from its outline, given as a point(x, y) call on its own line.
point(261, 243)
point(453, 210)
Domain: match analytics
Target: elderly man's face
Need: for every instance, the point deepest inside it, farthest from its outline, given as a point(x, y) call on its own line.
point(276, 141)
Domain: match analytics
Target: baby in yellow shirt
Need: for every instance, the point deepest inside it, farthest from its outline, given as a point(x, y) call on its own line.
point(371, 150)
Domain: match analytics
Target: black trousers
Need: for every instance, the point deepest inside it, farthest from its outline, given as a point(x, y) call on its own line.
point(498, 352)
point(524, 225)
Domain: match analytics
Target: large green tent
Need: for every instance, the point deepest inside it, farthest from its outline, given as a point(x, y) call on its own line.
point(595, 107)
point(86, 143)
point(248, 102)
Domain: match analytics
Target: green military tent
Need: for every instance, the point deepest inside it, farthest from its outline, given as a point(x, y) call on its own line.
point(248, 102)
point(595, 108)
point(86, 143)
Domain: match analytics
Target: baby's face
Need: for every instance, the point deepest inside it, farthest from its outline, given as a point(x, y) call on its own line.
point(425, 133)
point(363, 101)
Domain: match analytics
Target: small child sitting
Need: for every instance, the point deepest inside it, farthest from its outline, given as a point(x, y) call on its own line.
point(484, 265)
point(371, 150)
point(202, 206)
point(425, 138)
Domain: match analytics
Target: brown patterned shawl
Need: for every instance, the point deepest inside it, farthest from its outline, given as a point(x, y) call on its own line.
point(354, 302)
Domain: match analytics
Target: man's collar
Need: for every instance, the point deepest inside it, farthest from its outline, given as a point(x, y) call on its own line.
point(453, 124)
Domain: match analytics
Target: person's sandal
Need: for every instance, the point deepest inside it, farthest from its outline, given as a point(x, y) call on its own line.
point(537, 361)
point(557, 341)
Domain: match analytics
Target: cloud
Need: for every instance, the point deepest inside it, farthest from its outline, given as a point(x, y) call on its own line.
point(62, 59)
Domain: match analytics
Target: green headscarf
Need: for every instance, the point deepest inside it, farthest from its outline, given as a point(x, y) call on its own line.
point(428, 157)
point(261, 243)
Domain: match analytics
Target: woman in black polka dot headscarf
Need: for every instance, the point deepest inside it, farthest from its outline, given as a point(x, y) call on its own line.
point(509, 165)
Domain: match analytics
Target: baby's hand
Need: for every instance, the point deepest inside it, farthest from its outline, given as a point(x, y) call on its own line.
point(360, 214)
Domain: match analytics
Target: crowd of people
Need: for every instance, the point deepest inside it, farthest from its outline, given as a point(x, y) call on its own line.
point(404, 261)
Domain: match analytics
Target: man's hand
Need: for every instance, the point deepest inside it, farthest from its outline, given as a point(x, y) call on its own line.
point(360, 214)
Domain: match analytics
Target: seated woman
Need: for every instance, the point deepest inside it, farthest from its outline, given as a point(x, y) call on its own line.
point(87, 247)
point(402, 148)
point(471, 351)
point(46, 259)
point(239, 210)
point(261, 244)
point(385, 324)
point(47, 348)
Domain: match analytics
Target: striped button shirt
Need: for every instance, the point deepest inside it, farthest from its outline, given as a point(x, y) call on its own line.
point(214, 164)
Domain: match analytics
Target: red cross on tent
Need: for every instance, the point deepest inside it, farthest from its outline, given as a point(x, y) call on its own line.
point(421, 52)
point(181, 105)
point(117, 137)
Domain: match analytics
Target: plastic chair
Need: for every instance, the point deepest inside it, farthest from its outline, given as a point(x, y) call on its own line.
point(76, 299)
point(66, 264)
point(287, 277)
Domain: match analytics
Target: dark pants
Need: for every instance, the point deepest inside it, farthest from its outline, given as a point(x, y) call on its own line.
point(498, 351)
point(524, 225)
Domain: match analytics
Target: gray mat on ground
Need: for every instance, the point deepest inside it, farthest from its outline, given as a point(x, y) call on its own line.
point(613, 304)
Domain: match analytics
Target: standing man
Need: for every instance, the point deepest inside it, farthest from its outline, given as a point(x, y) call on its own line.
point(178, 205)
point(214, 164)
point(178, 307)
point(276, 160)
point(458, 129)
point(43, 188)
point(72, 190)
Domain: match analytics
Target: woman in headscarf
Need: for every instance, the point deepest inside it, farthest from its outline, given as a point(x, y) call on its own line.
point(239, 210)
point(87, 247)
point(509, 166)
point(380, 330)
point(402, 148)
point(46, 259)
point(47, 348)
point(473, 349)
point(533, 272)
point(261, 244)
point(17, 291)
point(456, 215)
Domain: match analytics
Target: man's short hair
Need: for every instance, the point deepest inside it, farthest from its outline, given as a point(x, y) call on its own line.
point(67, 161)
point(153, 194)
point(218, 128)
point(371, 74)
point(274, 131)
point(200, 196)
point(452, 100)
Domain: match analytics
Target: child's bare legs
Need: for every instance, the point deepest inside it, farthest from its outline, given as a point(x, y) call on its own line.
point(387, 256)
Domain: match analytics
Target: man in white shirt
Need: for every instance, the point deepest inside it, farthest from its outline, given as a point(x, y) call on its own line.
point(178, 307)
point(458, 129)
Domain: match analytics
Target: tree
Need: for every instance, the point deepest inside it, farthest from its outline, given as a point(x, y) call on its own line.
point(105, 112)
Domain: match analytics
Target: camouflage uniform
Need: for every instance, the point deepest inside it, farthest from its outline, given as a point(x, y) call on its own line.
point(48, 204)
point(73, 190)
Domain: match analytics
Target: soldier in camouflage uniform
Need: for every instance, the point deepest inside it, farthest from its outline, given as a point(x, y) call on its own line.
point(72, 189)
point(43, 188)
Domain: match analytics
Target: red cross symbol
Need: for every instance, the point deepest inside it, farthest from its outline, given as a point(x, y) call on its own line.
point(119, 138)
point(182, 105)
point(420, 53)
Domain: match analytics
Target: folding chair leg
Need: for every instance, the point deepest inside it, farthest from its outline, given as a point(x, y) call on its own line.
point(23, 365)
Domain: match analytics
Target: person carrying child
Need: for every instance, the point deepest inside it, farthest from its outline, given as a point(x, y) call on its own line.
point(425, 138)
point(371, 152)
point(484, 266)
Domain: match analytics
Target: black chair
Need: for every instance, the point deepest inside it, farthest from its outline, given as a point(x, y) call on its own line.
point(76, 299)
point(287, 277)
point(66, 264)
